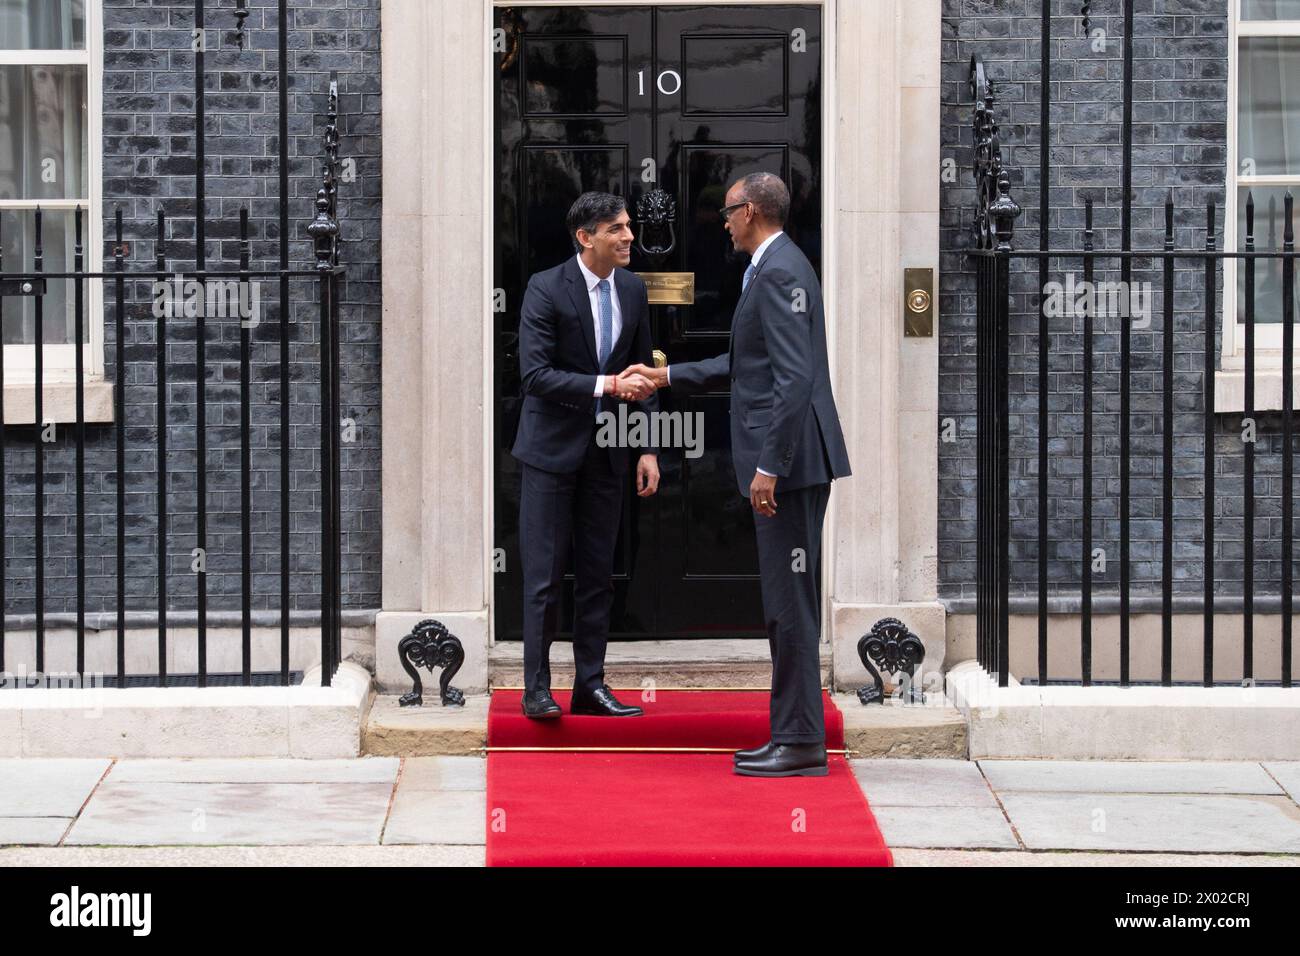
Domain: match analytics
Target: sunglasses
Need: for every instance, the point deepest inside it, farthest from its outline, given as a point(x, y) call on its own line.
point(726, 211)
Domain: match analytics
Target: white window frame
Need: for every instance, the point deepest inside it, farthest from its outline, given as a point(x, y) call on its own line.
point(1268, 335)
point(60, 361)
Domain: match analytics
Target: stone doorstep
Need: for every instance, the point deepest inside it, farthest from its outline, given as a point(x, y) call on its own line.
point(305, 720)
point(889, 730)
point(685, 663)
point(426, 731)
point(895, 729)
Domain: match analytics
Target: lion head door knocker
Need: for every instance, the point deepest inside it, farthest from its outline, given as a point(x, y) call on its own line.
point(895, 649)
point(656, 217)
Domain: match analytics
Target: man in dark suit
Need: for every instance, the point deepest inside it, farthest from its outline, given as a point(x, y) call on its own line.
point(579, 323)
point(784, 431)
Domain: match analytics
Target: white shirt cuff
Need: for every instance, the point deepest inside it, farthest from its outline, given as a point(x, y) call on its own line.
point(600, 386)
point(762, 472)
point(668, 373)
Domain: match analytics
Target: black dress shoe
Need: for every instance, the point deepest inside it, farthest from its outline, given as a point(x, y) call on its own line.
point(786, 760)
point(602, 703)
point(541, 706)
point(753, 752)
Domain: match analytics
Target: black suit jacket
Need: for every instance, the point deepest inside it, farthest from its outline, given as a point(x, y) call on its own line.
point(558, 368)
point(783, 415)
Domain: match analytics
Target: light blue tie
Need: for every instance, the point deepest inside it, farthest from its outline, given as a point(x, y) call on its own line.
point(749, 274)
point(606, 330)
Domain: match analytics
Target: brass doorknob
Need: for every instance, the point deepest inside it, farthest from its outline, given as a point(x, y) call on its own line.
point(660, 358)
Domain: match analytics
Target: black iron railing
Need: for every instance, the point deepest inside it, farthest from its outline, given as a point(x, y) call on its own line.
point(324, 277)
point(993, 255)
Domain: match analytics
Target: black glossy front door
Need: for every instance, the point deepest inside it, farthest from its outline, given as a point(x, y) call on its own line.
point(624, 99)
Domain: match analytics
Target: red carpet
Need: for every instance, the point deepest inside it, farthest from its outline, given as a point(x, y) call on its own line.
point(734, 719)
point(667, 809)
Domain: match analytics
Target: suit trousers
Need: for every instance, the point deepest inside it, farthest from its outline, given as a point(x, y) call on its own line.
point(789, 562)
point(564, 513)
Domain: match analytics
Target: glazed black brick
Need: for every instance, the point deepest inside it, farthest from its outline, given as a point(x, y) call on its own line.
point(149, 162)
point(1180, 54)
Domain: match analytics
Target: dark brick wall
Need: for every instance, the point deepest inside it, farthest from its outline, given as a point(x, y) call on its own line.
point(149, 150)
point(1181, 76)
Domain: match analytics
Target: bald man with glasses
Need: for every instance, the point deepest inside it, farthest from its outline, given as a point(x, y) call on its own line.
point(786, 438)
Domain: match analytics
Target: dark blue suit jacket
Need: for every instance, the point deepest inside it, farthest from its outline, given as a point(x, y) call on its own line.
point(558, 368)
point(783, 415)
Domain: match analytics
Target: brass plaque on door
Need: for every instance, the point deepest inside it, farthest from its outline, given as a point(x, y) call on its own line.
point(670, 288)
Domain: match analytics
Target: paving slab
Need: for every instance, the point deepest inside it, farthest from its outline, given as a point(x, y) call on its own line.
point(256, 770)
point(32, 831)
point(444, 773)
point(437, 816)
point(922, 783)
point(242, 856)
point(152, 814)
point(1167, 823)
point(1287, 774)
point(944, 827)
point(1057, 858)
point(47, 788)
point(1129, 776)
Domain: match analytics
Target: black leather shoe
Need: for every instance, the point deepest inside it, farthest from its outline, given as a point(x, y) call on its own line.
point(541, 706)
point(602, 703)
point(786, 760)
point(754, 752)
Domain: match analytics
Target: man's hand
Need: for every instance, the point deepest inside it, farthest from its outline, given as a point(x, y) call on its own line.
point(762, 494)
point(658, 377)
point(647, 476)
point(629, 387)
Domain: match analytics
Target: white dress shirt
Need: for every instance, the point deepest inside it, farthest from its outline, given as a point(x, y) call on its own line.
point(762, 248)
point(593, 293)
point(753, 261)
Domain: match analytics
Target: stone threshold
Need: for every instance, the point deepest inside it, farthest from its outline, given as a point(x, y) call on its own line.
point(888, 730)
point(709, 662)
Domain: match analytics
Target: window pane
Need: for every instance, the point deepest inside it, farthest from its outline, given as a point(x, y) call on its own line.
point(17, 235)
point(42, 25)
point(1270, 9)
point(1268, 238)
point(43, 148)
point(1269, 106)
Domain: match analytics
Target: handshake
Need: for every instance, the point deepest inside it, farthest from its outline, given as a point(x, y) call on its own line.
point(636, 382)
